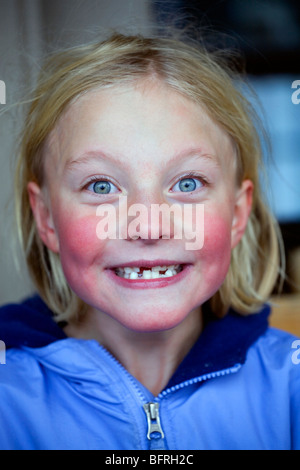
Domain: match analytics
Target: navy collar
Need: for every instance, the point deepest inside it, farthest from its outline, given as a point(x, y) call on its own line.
point(29, 323)
point(222, 344)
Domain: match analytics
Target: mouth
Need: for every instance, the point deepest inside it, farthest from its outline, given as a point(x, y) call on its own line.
point(148, 272)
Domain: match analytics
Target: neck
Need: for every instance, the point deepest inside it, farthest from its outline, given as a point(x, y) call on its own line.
point(151, 357)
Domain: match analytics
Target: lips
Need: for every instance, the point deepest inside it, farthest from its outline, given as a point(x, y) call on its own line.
point(142, 273)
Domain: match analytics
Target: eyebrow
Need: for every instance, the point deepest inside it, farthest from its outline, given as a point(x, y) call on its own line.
point(196, 152)
point(88, 157)
point(96, 155)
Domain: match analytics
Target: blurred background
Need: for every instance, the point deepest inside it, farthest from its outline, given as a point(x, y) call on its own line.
point(266, 33)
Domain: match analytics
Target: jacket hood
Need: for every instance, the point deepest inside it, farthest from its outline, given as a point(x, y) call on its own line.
point(223, 343)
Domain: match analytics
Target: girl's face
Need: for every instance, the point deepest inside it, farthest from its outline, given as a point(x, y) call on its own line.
point(150, 145)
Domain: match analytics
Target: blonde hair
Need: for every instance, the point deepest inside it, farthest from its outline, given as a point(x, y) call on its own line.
point(192, 71)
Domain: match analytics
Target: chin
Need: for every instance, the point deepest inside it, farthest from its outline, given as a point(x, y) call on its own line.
point(154, 320)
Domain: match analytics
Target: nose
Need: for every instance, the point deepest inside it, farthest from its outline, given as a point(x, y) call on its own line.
point(149, 220)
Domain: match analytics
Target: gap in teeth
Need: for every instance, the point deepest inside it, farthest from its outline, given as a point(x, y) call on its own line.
point(148, 273)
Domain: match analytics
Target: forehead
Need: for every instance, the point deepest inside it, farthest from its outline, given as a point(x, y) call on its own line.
point(137, 122)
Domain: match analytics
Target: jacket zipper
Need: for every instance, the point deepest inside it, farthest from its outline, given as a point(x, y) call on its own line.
point(201, 378)
point(152, 408)
point(153, 419)
point(152, 413)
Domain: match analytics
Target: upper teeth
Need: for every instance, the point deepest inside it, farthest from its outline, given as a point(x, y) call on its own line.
point(148, 273)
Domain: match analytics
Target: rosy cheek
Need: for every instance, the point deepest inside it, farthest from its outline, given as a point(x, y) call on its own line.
point(215, 255)
point(217, 235)
point(78, 241)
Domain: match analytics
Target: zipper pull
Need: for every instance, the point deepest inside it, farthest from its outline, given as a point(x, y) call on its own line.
point(153, 419)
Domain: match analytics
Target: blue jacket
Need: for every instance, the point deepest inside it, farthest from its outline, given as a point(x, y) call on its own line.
point(238, 388)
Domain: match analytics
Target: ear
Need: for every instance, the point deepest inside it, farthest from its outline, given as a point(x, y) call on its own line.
point(242, 209)
point(43, 217)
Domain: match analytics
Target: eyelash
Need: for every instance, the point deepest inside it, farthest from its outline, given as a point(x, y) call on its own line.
point(95, 179)
point(192, 175)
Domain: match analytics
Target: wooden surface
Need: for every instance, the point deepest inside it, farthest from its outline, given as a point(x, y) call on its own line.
point(286, 313)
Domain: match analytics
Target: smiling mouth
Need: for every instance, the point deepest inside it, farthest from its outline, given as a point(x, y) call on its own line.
point(155, 272)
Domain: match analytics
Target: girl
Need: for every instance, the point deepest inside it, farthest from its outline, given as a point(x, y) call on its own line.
point(136, 341)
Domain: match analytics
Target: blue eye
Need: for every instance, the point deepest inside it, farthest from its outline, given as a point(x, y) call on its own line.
point(187, 185)
point(102, 187)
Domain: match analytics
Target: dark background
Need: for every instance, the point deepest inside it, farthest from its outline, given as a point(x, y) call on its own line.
point(266, 31)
